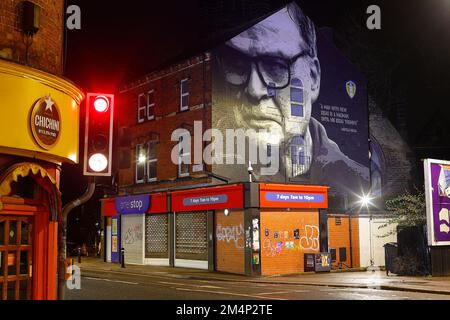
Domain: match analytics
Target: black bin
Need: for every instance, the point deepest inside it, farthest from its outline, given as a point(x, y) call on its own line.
point(310, 265)
point(390, 253)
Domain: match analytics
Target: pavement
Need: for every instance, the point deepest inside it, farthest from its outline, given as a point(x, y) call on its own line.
point(357, 278)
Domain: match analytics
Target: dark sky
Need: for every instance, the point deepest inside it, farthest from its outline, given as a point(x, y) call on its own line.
point(123, 39)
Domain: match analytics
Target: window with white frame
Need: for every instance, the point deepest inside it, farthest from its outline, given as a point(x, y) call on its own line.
point(297, 102)
point(146, 162)
point(151, 161)
point(142, 108)
point(151, 105)
point(183, 155)
point(184, 95)
point(141, 158)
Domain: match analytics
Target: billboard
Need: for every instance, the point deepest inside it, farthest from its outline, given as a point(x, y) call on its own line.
point(437, 193)
point(301, 107)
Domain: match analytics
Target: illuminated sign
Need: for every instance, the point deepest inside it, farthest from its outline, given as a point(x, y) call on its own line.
point(221, 198)
point(294, 197)
point(132, 204)
point(40, 113)
point(437, 193)
point(45, 122)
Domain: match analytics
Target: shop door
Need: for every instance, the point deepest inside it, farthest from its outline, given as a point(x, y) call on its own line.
point(132, 238)
point(16, 253)
point(157, 239)
point(191, 240)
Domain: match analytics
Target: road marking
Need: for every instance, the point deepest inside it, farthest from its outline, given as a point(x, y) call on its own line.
point(109, 280)
point(126, 282)
point(268, 293)
point(227, 293)
point(211, 287)
point(190, 284)
point(178, 284)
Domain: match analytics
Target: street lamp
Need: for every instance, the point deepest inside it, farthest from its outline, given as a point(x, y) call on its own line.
point(365, 200)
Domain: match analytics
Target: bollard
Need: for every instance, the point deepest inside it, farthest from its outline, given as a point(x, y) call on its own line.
point(79, 255)
point(122, 257)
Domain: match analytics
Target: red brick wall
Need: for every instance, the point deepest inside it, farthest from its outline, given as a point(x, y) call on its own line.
point(339, 237)
point(167, 119)
point(279, 259)
point(45, 52)
point(230, 242)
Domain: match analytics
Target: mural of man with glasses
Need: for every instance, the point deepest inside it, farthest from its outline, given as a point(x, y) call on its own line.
point(268, 77)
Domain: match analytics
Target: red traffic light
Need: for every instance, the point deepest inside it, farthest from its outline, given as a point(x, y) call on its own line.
point(101, 104)
point(98, 134)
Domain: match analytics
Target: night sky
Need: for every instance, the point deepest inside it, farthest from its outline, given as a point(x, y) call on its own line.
point(406, 63)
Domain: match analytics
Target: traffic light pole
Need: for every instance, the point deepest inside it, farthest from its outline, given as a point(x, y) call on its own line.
point(62, 247)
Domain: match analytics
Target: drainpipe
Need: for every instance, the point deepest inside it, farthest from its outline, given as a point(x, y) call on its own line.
point(63, 234)
point(350, 238)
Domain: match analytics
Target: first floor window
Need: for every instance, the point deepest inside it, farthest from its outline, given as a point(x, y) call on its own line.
point(140, 163)
point(146, 162)
point(151, 161)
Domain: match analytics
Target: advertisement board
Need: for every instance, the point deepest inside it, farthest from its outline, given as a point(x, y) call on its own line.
point(437, 193)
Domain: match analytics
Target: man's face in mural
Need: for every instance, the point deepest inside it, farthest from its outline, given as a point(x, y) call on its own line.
point(272, 79)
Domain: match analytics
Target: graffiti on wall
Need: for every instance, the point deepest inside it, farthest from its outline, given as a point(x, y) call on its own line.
point(231, 234)
point(306, 239)
point(133, 234)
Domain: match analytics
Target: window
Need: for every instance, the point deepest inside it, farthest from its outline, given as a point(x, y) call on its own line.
point(146, 162)
point(184, 95)
point(146, 106)
point(297, 104)
point(140, 163)
point(342, 254)
point(183, 156)
point(299, 157)
point(151, 105)
point(333, 254)
point(151, 161)
point(142, 106)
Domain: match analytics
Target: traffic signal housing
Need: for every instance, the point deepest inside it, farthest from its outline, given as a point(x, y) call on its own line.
point(98, 136)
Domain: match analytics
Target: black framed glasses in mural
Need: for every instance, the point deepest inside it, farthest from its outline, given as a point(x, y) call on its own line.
point(274, 71)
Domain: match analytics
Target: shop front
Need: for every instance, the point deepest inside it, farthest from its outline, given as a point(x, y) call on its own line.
point(290, 226)
point(248, 228)
point(196, 215)
point(139, 225)
point(39, 132)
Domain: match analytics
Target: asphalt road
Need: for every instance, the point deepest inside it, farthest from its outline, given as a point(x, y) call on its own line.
point(113, 286)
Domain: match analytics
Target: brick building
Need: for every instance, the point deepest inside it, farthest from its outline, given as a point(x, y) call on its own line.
point(207, 216)
point(236, 226)
point(40, 115)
